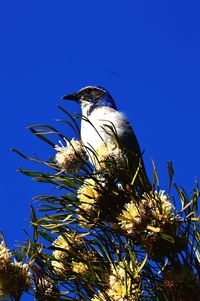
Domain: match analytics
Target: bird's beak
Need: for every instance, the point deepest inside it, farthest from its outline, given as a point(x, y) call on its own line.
point(73, 96)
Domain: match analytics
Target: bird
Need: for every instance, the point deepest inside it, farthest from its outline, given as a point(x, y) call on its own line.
point(101, 122)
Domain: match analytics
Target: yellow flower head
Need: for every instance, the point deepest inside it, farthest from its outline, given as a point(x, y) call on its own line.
point(63, 243)
point(119, 283)
point(108, 154)
point(130, 217)
point(24, 273)
point(14, 279)
point(79, 267)
point(58, 267)
point(88, 193)
point(70, 157)
point(159, 205)
point(121, 286)
point(4, 255)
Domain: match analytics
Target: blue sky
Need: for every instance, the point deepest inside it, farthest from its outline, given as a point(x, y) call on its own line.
point(146, 53)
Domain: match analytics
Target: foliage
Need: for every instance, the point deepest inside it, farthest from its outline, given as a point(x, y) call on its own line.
point(100, 237)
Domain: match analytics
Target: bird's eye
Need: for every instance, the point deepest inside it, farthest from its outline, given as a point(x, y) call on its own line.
point(97, 93)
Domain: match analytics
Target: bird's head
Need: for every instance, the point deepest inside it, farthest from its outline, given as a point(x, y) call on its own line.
point(91, 97)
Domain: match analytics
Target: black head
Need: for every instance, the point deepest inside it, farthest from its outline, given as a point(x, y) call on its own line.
point(93, 95)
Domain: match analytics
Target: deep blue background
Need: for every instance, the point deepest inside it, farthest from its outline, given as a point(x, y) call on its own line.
point(146, 53)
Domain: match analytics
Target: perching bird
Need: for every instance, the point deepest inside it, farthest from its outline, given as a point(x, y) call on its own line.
point(101, 120)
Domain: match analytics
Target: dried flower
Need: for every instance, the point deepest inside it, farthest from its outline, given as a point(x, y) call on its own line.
point(70, 157)
point(15, 279)
point(24, 273)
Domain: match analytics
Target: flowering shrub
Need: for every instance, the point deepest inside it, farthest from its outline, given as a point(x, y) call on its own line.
point(101, 236)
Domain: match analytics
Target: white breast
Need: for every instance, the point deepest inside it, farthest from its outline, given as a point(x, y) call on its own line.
point(93, 135)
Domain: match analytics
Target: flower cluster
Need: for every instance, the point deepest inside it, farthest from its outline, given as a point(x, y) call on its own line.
point(132, 217)
point(63, 244)
point(109, 156)
point(119, 283)
point(71, 257)
point(79, 267)
point(89, 192)
point(89, 195)
point(70, 157)
point(15, 277)
point(104, 233)
point(151, 211)
point(4, 255)
point(122, 285)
